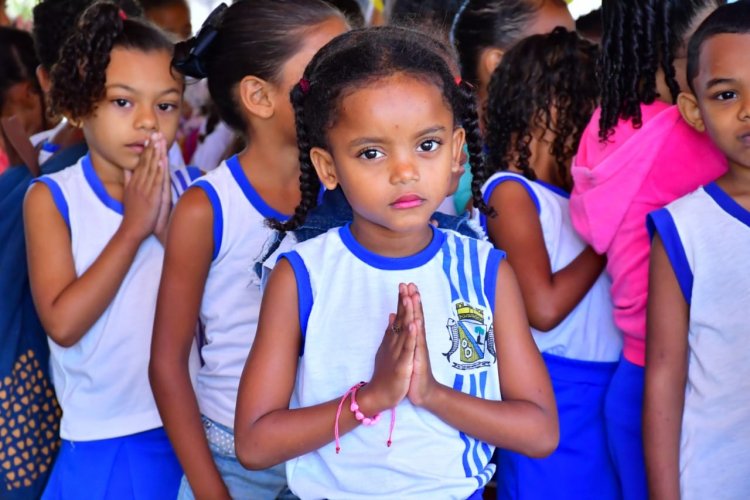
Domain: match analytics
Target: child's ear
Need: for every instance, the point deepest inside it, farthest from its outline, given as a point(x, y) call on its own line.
point(459, 157)
point(490, 59)
point(255, 96)
point(691, 113)
point(324, 167)
point(44, 81)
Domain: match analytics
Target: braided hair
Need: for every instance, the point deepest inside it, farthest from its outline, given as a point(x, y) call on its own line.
point(640, 38)
point(78, 77)
point(355, 59)
point(545, 82)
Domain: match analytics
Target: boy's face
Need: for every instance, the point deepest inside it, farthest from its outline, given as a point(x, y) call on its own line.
point(721, 104)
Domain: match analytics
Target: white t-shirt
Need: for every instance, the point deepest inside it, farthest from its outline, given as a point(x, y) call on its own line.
point(588, 333)
point(232, 295)
point(345, 295)
point(102, 381)
point(706, 235)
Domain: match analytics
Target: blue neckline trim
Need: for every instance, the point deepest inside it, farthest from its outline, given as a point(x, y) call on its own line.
point(554, 189)
point(98, 186)
point(50, 147)
point(392, 263)
point(727, 203)
point(251, 194)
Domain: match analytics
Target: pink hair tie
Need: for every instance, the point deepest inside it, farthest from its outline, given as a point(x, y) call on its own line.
point(122, 14)
point(304, 84)
point(354, 407)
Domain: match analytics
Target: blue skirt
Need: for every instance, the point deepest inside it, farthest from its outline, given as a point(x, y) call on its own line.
point(139, 466)
point(581, 467)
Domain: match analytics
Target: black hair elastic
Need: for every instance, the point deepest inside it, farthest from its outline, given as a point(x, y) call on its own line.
point(191, 63)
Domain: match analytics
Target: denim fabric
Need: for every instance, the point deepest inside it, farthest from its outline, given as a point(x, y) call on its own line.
point(242, 483)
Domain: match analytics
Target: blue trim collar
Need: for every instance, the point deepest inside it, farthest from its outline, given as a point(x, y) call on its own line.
point(98, 186)
point(392, 263)
point(555, 189)
point(727, 203)
point(251, 194)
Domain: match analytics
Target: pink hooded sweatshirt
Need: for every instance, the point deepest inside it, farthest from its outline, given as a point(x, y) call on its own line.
point(618, 183)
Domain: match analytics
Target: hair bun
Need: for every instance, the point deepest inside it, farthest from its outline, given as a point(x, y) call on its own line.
point(189, 55)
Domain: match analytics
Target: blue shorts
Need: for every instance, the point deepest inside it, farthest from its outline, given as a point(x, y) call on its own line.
point(581, 467)
point(140, 466)
point(623, 410)
point(267, 484)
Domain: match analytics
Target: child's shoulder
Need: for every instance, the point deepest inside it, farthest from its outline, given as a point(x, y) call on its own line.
point(688, 204)
point(69, 173)
point(330, 241)
point(465, 246)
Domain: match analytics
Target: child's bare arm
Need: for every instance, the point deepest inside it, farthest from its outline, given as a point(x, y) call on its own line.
point(267, 432)
point(549, 297)
point(526, 420)
point(68, 305)
point(186, 263)
point(666, 375)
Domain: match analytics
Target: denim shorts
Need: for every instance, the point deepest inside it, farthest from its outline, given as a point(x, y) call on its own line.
point(241, 483)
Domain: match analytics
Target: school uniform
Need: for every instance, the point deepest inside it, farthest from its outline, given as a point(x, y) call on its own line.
point(345, 296)
point(113, 441)
point(229, 315)
point(581, 355)
point(705, 236)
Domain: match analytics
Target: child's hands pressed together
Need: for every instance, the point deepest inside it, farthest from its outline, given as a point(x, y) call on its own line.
point(165, 207)
point(142, 200)
point(422, 381)
point(394, 361)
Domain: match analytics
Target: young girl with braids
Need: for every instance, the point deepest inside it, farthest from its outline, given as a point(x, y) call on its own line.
point(454, 369)
point(636, 156)
point(252, 53)
point(541, 97)
point(94, 235)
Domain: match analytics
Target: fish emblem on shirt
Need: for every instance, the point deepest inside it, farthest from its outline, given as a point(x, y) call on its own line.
point(470, 337)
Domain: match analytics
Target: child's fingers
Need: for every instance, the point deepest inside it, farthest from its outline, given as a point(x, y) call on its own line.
point(399, 321)
point(388, 337)
point(408, 310)
point(128, 176)
point(416, 299)
point(153, 180)
point(165, 188)
point(142, 174)
point(406, 356)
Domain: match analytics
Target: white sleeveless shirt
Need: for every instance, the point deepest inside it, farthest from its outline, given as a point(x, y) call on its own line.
point(588, 333)
point(706, 235)
point(232, 295)
point(102, 381)
point(345, 295)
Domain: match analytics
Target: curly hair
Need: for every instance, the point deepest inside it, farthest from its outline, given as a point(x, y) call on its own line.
point(55, 20)
point(640, 38)
point(78, 77)
point(481, 24)
point(545, 82)
point(249, 38)
point(355, 59)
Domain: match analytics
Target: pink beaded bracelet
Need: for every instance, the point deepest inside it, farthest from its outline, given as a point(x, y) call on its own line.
point(354, 407)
